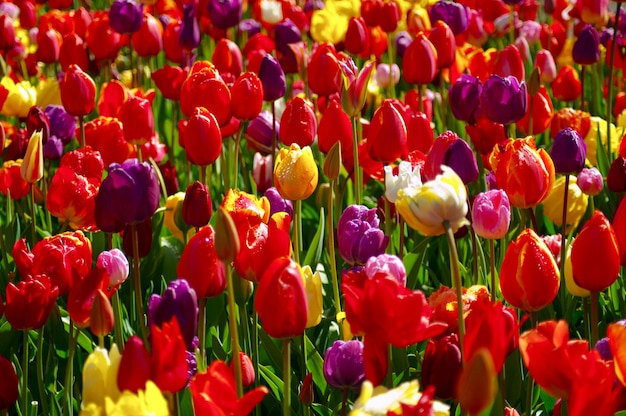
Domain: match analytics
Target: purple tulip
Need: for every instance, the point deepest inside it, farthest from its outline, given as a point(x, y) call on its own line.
point(586, 50)
point(344, 367)
point(225, 14)
point(273, 78)
point(568, 151)
point(503, 100)
point(403, 40)
point(603, 348)
point(453, 14)
point(277, 202)
point(359, 236)
point(115, 263)
point(250, 27)
point(178, 300)
point(189, 37)
point(126, 16)
point(62, 124)
point(53, 149)
point(491, 214)
point(450, 150)
point(388, 264)
point(464, 97)
point(590, 181)
point(259, 132)
point(128, 195)
point(286, 32)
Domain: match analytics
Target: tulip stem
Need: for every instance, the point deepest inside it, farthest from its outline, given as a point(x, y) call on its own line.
point(388, 224)
point(492, 251)
point(24, 392)
point(137, 281)
point(531, 105)
point(287, 376)
point(401, 248)
point(235, 159)
point(274, 138)
point(117, 327)
point(420, 96)
point(582, 88)
point(331, 254)
point(69, 369)
point(202, 330)
point(33, 212)
point(358, 182)
point(563, 228)
point(232, 320)
point(609, 104)
point(392, 89)
point(297, 230)
point(81, 123)
point(456, 281)
point(42, 390)
point(594, 319)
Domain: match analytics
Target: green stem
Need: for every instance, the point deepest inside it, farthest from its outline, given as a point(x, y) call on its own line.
point(244, 321)
point(358, 182)
point(494, 292)
point(69, 370)
point(24, 392)
point(33, 207)
point(287, 377)
point(609, 99)
point(401, 248)
point(137, 283)
point(594, 319)
point(42, 390)
point(475, 256)
point(297, 230)
point(232, 320)
point(331, 255)
point(456, 280)
point(202, 330)
point(81, 137)
point(392, 89)
point(512, 25)
point(420, 96)
point(117, 327)
point(563, 228)
point(236, 157)
point(274, 136)
point(305, 407)
point(582, 88)
point(388, 225)
point(530, 115)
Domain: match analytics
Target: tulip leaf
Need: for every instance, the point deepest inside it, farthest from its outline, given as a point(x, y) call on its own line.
point(269, 347)
point(321, 409)
point(314, 253)
point(601, 153)
point(315, 364)
point(273, 381)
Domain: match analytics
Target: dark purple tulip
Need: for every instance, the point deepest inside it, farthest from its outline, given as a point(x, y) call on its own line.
point(453, 14)
point(403, 40)
point(126, 16)
point(603, 348)
point(144, 238)
point(62, 124)
point(503, 100)
point(178, 300)
point(277, 202)
point(586, 50)
point(53, 149)
point(568, 151)
point(273, 78)
point(359, 236)
point(605, 36)
point(464, 97)
point(128, 195)
point(344, 367)
point(259, 132)
point(189, 37)
point(250, 27)
point(616, 177)
point(286, 32)
point(450, 150)
point(442, 365)
point(225, 14)
point(513, 2)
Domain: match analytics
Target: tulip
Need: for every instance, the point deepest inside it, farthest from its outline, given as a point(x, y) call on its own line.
point(81, 296)
point(454, 14)
point(272, 78)
point(29, 304)
point(259, 132)
point(595, 254)
point(225, 14)
point(262, 171)
point(227, 57)
point(173, 44)
point(542, 113)
point(547, 68)
point(130, 194)
point(204, 88)
point(464, 97)
point(529, 276)
point(353, 86)
point(277, 203)
point(335, 126)
point(421, 51)
point(62, 124)
point(246, 97)
point(71, 198)
point(197, 208)
point(590, 181)
point(138, 120)
point(21, 97)
point(357, 38)
point(503, 100)
point(125, 16)
point(450, 150)
point(408, 177)
point(594, 12)
point(568, 152)
point(201, 137)
point(101, 368)
point(477, 385)
point(32, 165)
point(101, 317)
point(426, 208)
point(359, 236)
point(322, 70)
point(148, 41)
point(7, 32)
point(419, 133)
point(283, 312)
point(48, 46)
point(514, 163)
point(491, 214)
point(586, 50)
point(509, 63)
point(441, 365)
point(344, 368)
point(295, 173)
point(298, 123)
point(116, 265)
point(576, 203)
point(388, 264)
point(313, 289)
point(383, 78)
point(8, 384)
point(73, 51)
point(169, 80)
point(566, 86)
point(387, 133)
point(103, 41)
point(78, 92)
point(106, 135)
point(207, 281)
point(443, 40)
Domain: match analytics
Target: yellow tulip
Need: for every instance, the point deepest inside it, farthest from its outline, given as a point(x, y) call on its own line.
point(597, 128)
point(145, 403)
point(576, 203)
point(32, 165)
point(171, 205)
point(426, 207)
point(100, 378)
point(330, 24)
point(295, 173)
point(48, 92)
point(22, 96)
point(380, 401)
point(313, 288)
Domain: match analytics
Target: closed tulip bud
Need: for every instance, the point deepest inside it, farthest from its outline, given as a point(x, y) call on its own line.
point(73, 51)
point(443, 40)
point(358, 36)
point(227, 57)
point(442, 366)
point(332, 163)
point(101, 319)
point(32, 165)
point(419, 133)
point(344, 365)
point(295, 173)
point(138, 120)
point(172, 38)
point(298, 123)
point(178, 300)
point(307, 391)
point(390, 14)
point(450, 150)
point(425, 208)
point(7, 33)
point(509, 63)
point(148, 41)
point(568, 152)
point(595, 254)
point(78, 92)
point(477, 386)
point(456, 15)
point(247, 369)
point(388, 264)
point(359, 236)
point(48, 46)
point(586, 50)
point(576, 203)
point(246, 97)
point(201, 138)
point(419, 65)
point(8, 384)
point(323, 69)
point(125, 16)
point(225, 14)
point(370, 10)
point(335, 126)
point(260, 132)
point(273, 78)
point(464, 96)
point(521, 43)
point(619, 226)
point(590, 181)
point(403, 40)
point(262, 171)
point(382, 76)
point(103, 41)
point(529, 276)
point(547, 68)
point(226, 238)
point(566, 86)
point(205, 88)
point(281, 300)
point(115, 263)
point(134, 368)
point(196, 207)
point(491, 214)
point(387, 133)
point(503, 100)
point(286, 33)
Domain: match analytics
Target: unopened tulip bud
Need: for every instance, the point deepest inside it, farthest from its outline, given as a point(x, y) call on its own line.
point(477, 386)
point(307, 393)
point(332, 163)
point(196, 207)
point(226, 237)
point(179, 219)
point(590, 181)
point(101, 316)
point(247, 369)
point(115, 263)
point(32, 165)
point(534, 82)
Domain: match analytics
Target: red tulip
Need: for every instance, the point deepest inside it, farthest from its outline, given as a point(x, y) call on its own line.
point(595, 254)
point(201, 137)
point(171, 44)
point(390, 14)
point(73, 51)
point(169, 80)
point(28, 305)
point(138, 120)
point(509, 63)
point(566, 86)
point(205, 88)
point(197, 208)
point(542, 113)
point(358, 36)
point(71, 198)
point(419, 64)
point(11, 181)
point(80, 299)
point(529, 277)
point(104, 42)
point(106, 135)
point(8, 384)
point(298, 123)
point(48, 46)
point(135, 367)
point(101, 318)
point(387, 135)
point(78, 92)
point(370, 10)
point(227, 57)
point(168, 360)
point(442, 38)
point(335, 126)
point(200, 266)
point(441, 365)
point(323, 69)
point(281, 301)
point(246, 97)
point(7, 33)
point(148, 40)
point(419, 133)
point(81, 19)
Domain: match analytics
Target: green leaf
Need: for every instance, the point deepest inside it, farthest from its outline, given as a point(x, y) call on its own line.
point(314, 253)
point(274, 382)
point(315, 364)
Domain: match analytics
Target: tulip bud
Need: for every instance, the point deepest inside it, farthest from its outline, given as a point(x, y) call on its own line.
point(454, 14)
point(323, 69)
point(247, 369)
point(358, 36)
point(7, 33)
point(148, 41)
point(125, 16)
point(273, 78)
point(246, 96)
point(387, 133)
point(419, 65)
point(298, 123)
point(544, 61)
point(227, 57)
point(295, 173)
point(243, 289)
point(196, 208)
point(491, 214)
point(101, 316)
point(590, 181)
point(444, 42)
point(313, 289)
point(344, 366)
point(78, 92)
point(138, 120)
point(226, 237)
point(477, 386)
point(307, 392)
point(201, 137)
point(332, 163)
point(503, 100)
point(115, 263)
point(566, 86)
point(464, 96)
point(134, 369)
point(441, 366)
point(48, 46)
point(586, 50)
point(509, 63)
point(8, 384)
point(450, 150)
point(568, 152)
point(32, 165)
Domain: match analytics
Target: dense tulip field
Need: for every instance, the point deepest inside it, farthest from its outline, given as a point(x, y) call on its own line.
point(307, 207)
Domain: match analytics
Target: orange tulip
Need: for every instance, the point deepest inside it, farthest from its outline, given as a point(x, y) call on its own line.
point(542, 113)
point(566, 86)
point(106, 135)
